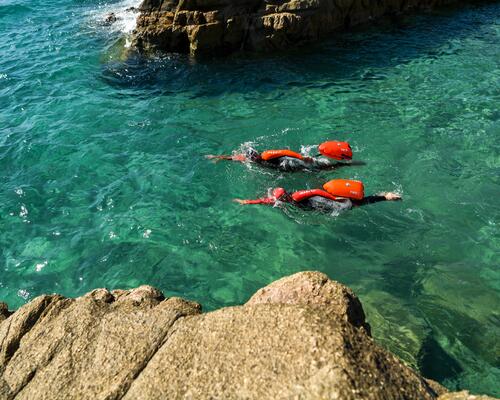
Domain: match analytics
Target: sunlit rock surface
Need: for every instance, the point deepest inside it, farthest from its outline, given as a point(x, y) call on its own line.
point(304, 336)
point(224, 26)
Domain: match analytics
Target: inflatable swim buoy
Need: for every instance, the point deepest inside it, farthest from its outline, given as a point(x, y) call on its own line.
point(345, 188)
point(272, 154)
point(336, 150)
point(302, 195)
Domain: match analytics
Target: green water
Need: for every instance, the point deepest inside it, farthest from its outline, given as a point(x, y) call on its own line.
point(103, 180)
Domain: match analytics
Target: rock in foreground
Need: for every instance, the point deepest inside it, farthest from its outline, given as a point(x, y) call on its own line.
point(138, 345)
point(224, 26)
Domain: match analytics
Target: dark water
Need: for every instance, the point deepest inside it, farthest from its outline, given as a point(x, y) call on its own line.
point(103, 180)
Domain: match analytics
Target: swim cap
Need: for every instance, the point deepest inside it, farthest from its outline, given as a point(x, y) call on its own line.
point(252, 154)
point(278, 193)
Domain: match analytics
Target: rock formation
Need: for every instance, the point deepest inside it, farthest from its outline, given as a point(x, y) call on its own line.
point(301, 337)
point(223, 26)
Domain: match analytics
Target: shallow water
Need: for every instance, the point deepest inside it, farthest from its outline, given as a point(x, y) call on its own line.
point(103, 180)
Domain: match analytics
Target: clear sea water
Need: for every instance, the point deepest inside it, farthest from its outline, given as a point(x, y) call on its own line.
point(103, 180)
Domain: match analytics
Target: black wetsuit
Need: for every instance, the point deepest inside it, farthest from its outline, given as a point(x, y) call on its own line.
point(291, 163)
point(327, 205)
point(296, 164)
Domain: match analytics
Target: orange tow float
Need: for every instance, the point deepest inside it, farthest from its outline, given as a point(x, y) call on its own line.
point(336, 150)
point(332, 149)
point(345, 188)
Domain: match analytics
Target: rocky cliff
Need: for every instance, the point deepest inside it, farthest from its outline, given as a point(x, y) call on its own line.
point(304, 336)
point(224, 26)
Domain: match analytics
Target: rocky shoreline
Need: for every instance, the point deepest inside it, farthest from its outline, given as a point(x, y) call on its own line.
point(225, 26)
point(304, 336)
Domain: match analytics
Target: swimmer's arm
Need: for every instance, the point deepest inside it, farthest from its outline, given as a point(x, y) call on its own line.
point(320, 163)
point(264, 200)
point(233, 157)
point(388, 196)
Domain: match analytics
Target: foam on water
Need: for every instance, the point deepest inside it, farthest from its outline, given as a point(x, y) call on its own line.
point(125, 12)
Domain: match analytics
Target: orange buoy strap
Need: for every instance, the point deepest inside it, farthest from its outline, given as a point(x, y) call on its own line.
point(271, 154)
point(302, 195)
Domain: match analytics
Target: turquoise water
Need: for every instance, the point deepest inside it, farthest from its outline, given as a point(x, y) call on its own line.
point(103, 180)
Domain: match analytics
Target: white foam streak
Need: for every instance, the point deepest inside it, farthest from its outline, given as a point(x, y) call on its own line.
point(125, 12)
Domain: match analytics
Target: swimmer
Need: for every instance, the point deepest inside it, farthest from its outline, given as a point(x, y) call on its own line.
point(338, 195)
point(287, 160)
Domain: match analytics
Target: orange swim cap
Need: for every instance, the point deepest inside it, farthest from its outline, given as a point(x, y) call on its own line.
point(278, 193)
point(336, 150)
point(345, 188)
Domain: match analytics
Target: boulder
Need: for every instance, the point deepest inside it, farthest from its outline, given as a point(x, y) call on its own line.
point(224, 26)
point(304, 336)
point(314, 289)
point(110, 18)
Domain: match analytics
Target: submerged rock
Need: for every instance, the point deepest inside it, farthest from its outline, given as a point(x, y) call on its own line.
point(224, 26)
point(301, 337)
point(110, 19)
point(463, 395)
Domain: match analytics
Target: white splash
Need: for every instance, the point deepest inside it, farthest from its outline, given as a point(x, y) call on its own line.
point(40, 266)
point(308, 151)
point(125, 12)
point(23, 212)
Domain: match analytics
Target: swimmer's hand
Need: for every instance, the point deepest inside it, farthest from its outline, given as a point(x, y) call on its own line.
point(391, 196)
point(240, 201)
point(216, 158)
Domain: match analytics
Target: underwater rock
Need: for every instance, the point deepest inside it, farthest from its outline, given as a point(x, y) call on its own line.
point(224, 26)
point(301, 337)
point(463, 395)
point(110, 19)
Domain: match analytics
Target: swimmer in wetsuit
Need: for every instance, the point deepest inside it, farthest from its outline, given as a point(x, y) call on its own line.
point(339, 195)
point(287, 160)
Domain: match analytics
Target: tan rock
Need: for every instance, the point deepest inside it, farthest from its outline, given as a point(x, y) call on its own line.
point(83, 348)
point(300, 337)
point(314, 289)
point(463, 395)
point(274, 351)
point(254, 25)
